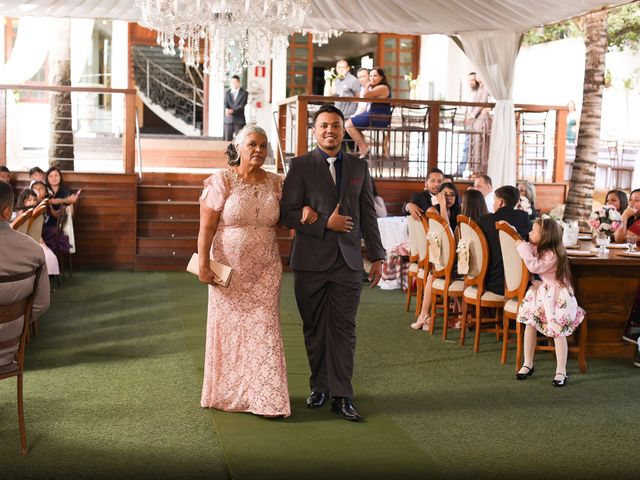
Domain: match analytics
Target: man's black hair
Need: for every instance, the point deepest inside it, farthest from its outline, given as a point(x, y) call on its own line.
point(509, 194)
point(327, 109)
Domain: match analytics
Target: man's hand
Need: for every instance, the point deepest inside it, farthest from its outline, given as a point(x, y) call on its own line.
point(339, 223)
point(309, 215)
point(415, 211)
point(375, 273)
point(229, 111)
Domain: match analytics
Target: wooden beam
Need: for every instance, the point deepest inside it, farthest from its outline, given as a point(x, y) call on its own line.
point(560, 145)
point(129, 138)
point(302, 146)
point(434, 129)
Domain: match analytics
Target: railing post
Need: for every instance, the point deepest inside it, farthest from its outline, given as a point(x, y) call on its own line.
point(302, 146)
point(434, 135)
point(128, 147)
point(3, 127)
point(148, 77)
point(560, 145)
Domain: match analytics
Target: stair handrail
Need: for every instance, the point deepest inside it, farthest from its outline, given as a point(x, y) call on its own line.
point(164, 70)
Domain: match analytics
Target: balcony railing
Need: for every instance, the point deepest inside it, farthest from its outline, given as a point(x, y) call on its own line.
point(424, 134)
point(96, 127)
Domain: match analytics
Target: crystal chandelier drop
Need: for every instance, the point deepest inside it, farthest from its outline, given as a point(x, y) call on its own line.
point(243, 32)
point(321, 38)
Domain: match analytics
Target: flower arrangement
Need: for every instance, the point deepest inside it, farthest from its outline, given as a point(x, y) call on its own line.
point(412, 82)
point(524, 204)
point(606, 220)
point(330, 75)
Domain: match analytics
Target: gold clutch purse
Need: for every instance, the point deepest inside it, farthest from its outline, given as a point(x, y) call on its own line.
point(222, 272)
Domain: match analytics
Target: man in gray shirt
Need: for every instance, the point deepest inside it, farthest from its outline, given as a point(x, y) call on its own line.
point(346, 86)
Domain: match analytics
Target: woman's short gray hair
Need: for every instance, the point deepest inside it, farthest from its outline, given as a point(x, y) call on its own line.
point(241, 136)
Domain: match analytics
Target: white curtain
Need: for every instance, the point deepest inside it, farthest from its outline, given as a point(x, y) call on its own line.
point(27, 56)
point(494, 55)
point(81, 49)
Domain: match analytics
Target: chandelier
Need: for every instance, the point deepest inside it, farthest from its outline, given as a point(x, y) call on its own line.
point(244, 32)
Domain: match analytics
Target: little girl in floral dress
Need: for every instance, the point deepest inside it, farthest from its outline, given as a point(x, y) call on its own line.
point(549, 305)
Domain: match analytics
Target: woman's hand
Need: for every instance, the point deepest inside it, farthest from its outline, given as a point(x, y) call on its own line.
point(309, 215)
point(629, 212)
point(206, 275)
point(442, 199)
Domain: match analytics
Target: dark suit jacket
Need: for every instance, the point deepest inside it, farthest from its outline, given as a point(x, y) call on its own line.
point(422, 199)
point(237, 106)
point(309, 182)
point(518, 219)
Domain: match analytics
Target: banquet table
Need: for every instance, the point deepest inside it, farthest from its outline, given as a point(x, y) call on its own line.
point(606, 286)
point(393, 233)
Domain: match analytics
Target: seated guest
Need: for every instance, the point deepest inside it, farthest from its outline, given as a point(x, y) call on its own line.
point(346, 86)
point(378, 114)
point(36, 174)
point(41, 191)
point(630, 218)
point(528, 193)
point(473, 206)
point(448, 206)
point(617, 199)
point(363, 78)
point(5, 174)
point(59, 195)
point(420, 202)
point(483, 184)
point(27, 199)
point(504, 206)
point(19, 254)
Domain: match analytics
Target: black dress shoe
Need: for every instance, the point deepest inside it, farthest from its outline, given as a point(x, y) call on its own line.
point(560, 383)
point(528, 373)
point(343, 406)
point(316, 399)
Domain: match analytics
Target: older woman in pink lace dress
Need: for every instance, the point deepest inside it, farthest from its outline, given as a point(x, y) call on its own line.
point(244, 368)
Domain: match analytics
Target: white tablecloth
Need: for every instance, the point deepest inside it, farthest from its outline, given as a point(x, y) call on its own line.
point(393, 232)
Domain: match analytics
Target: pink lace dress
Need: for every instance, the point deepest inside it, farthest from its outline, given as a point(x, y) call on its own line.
point(244, 368)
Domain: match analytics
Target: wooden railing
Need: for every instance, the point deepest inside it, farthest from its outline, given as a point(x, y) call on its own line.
point(406, 150)
point(128, 135)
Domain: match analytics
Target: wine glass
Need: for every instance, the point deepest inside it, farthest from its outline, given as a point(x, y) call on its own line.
point(602, 240)
point(631, 242)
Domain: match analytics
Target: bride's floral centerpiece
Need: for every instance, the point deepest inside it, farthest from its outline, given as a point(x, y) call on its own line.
point(605, 220)
point(330, 77)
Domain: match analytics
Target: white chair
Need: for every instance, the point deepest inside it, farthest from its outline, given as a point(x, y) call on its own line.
point(36, 222)
point(412, 272)
point(474, 292)
point(443, 286)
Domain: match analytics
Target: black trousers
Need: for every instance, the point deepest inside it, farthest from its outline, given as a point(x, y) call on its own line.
point(328, 303)
point(230, 129)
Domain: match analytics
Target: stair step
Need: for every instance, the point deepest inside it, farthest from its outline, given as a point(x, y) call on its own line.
point(151, 228)
point(168, 247)
point(176, 193)
point(161, 262)
point(169, 210)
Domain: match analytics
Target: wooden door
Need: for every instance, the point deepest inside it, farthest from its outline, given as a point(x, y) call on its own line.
point(299, 65)
point(399, 55)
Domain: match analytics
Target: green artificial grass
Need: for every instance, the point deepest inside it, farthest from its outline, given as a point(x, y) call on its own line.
point(113, 385)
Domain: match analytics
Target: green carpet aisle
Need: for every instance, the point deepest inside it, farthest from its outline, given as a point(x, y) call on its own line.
point(109, 389)
point(114, 379)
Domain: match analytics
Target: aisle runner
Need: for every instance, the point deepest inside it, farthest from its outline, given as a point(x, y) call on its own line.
point(310, 444)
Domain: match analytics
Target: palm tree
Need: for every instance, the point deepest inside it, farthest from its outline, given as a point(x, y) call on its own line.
point(581, 186)
point(61, 129)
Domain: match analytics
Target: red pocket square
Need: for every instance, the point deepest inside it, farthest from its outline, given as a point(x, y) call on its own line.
point(355, 181)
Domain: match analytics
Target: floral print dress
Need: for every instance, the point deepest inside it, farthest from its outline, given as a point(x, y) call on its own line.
point(547, 305)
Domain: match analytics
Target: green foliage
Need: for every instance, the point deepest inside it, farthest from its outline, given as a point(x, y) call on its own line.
point(623, 29)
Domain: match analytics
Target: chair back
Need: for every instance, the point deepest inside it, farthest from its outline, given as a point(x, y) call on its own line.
point(422, 229)
point(415, 117)
point(36, 222)
point(14, 311)
point(474, 237)
point(440, 232)
point(516, 275)
point(412, 228)
point(21, 223)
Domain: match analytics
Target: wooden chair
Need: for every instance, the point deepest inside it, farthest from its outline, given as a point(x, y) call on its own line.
point(9, 313)
point(21, 222)
point(37, 220)
point(516, 278)
point(474, 292)
point(414, 255)
point(62, 218)
point(422, 230)
point(443, 286)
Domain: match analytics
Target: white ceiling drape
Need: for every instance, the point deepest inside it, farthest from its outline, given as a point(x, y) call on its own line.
point(494, 54)
point(27, 56)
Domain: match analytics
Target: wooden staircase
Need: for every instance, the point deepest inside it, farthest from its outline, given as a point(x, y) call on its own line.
point(168, 221)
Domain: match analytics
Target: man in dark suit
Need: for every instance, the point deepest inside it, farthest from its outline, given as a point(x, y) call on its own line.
point(234, 102)
point(421, 201)
point(504, 206)
point(326, 255)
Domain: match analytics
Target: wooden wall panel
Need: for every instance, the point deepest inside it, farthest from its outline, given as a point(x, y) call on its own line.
point(104, 219)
